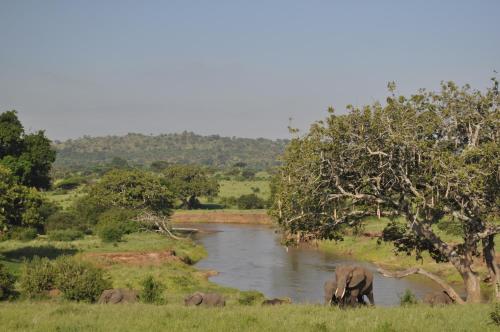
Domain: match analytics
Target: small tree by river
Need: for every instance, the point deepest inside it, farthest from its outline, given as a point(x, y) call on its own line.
point(416, 160)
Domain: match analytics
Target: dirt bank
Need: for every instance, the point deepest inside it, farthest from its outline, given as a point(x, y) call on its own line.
point(221, 216)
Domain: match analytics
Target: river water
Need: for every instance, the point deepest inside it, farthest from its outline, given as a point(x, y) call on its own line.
point(250, 257)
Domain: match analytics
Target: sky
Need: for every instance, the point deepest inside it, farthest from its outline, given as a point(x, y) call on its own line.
point(233, 68)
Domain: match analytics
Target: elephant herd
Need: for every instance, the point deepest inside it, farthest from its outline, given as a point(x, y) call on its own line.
point(348, 287)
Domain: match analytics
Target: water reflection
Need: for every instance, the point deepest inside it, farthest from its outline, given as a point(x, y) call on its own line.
point(250, 257)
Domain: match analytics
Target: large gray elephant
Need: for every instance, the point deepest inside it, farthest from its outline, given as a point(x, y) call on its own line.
point(353, 283)
point(208, 299)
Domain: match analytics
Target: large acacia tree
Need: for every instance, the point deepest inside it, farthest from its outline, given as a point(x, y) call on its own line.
point(416, 160)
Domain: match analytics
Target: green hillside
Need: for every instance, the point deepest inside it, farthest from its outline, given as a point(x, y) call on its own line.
point(139, 149)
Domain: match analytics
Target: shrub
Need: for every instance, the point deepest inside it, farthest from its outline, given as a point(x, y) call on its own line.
point(23, 234)
point(250, 297)
point(70, 183)
point(65, 235)
point(408, 298)
point(61, 220)
point(122, 216)
point(152, 291)
point(250, 201)
point(6, 284)
point(37, 277)
point(79, 280)
point(110, 230)
point(495, 314)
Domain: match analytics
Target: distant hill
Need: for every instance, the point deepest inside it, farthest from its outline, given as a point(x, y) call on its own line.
point(186, 147)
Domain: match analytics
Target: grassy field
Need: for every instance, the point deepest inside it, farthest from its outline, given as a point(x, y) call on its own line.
point(140, 317)
point(233, 188)
point(126, 263)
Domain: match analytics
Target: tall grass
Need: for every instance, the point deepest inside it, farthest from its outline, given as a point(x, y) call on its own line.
point(175, 317)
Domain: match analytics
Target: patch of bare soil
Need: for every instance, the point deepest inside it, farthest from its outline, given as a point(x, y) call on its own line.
point(134, 258)
point(222, 217)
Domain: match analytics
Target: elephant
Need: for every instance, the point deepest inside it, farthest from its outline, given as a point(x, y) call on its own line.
point(438, 298)
point(330, 287)
point(276, 301)
point(118, 295)
point(207, 299)
point(353, 283)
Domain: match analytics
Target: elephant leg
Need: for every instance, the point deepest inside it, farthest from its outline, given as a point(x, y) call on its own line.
point(370, 297)
point(361, 299)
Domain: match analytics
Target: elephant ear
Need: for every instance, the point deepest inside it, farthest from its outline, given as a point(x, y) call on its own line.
point(358, 275)
point(197, 298)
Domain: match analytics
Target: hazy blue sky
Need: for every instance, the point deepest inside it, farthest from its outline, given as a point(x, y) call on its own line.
point(236, 68)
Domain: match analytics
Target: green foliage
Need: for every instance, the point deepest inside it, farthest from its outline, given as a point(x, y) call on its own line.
point(79, 280)
point(250, 297)
point(37, 277)
point(23, 234)
point(122, 217)
point(250, 201)
point(495, 314)
point(408, 298)
point(61, 220)
point(65, 235)
point(71, 183)
point(451, 226)
point(110, 230)
point(188, 182)
point(87, 210)
point(184, 148)
point(132, 189)
point(152, 291)
point(7, 281)
point(20, 206)
point(28, 156)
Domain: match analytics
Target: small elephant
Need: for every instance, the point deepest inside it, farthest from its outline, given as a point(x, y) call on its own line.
point(118, 295)
point(438, 298)
point(353, 283)
point(208, 299)
point(276, 301)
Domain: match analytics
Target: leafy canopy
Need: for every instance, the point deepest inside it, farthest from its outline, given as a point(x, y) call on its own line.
point(189, 182)
point(28, 156)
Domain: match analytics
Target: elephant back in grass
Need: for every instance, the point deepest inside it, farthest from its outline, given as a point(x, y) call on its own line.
point(118, 295)
point(353, 283)
point(206, 299)
point(276, 301)
point(438, 298)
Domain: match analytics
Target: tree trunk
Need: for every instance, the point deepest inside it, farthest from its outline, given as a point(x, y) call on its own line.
point(493, 269)
point(472, 286)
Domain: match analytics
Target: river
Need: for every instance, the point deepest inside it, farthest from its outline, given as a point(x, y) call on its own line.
point(250, 257)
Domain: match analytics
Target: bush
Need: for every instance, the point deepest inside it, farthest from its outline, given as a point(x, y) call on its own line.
point(6, 284)
point(79, 280)
point(65, 235)
point(37, 277)
point(110, 230)
point(70, 183)
point(495, 314)
point(250, 297)
point(124, 217)
point(408, 298)
point(61, 220)
point(152, 291)
point(250, 201)
point(23, 234)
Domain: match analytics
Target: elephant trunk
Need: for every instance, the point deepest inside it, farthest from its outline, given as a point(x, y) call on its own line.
point(340, 291)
